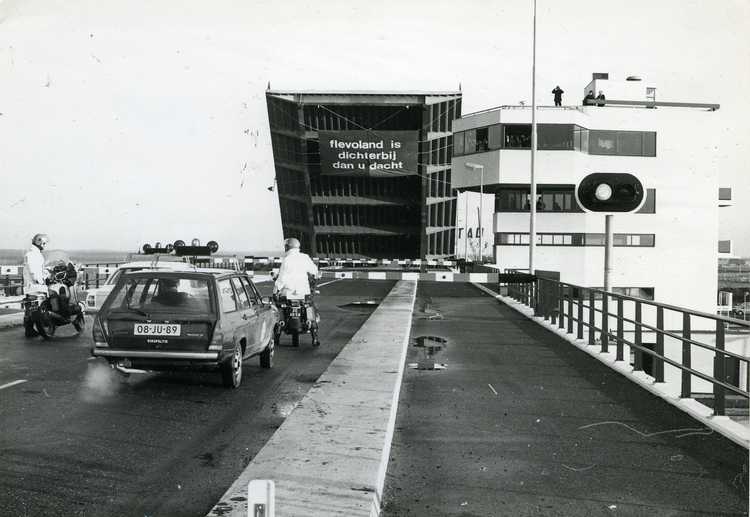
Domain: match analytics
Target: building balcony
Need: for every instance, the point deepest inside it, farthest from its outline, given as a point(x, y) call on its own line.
point(361, 200)
point(366, 230)
point(725, 197)
point(725, 249)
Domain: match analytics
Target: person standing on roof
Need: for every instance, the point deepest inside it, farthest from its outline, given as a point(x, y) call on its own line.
point(558, 95)
point(600, 98)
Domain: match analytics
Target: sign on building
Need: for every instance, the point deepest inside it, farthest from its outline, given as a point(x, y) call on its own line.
point(368, 153)
point(475, 235)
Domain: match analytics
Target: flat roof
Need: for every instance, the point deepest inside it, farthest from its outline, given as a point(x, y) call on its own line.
point(364, 92)
point(607, 103)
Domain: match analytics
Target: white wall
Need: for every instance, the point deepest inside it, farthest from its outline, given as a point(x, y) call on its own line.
point(682, 265)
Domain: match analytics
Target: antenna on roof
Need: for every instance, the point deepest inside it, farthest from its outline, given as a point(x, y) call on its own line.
point(459, 86)
point(269, 86)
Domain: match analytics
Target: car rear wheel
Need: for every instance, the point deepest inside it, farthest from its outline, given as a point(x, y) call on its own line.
point(266, 356)
point(231, 370)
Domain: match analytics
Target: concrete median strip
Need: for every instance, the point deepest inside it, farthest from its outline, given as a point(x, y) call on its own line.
point(11, 320)
point(330, 455)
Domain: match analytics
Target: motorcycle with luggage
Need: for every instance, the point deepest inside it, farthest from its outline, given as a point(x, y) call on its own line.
point(59, 304)
point(298, 316)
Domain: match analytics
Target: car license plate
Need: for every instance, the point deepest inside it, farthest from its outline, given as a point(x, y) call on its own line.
point(155, 329)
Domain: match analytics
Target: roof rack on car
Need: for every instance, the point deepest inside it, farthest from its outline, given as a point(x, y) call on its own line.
point(195, 254)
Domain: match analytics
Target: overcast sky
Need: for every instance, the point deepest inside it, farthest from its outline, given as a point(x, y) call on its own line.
point(124, 122)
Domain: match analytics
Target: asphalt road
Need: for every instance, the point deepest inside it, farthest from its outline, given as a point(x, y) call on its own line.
point(522, 423)
point(76, 441)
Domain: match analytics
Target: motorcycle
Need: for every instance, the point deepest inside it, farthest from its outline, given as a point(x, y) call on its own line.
point(61, 304)
point(298, 316)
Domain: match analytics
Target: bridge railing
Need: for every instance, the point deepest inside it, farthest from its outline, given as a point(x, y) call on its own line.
point(607, 317)
point(93, 275)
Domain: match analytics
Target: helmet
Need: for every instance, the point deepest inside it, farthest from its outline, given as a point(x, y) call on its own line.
point(40, 239)
point(290, 243)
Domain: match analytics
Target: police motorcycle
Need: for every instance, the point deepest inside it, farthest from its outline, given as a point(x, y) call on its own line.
point(296, 315)
point(59, 304)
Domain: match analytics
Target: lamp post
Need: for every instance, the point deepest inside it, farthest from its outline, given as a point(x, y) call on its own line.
point(532, 179)
point(466, 226)
point(474, 167)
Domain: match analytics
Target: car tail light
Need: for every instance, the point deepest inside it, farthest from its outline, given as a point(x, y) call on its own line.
point(100, 337)
point(217, 340)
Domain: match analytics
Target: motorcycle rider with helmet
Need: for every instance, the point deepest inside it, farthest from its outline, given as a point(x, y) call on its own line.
point(296, 273)
point(34, 274)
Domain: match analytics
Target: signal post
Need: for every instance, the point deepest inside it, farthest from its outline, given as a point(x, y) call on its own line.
point(609, 193)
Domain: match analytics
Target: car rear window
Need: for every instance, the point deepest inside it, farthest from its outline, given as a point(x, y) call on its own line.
point(162, 294)
point(118, 273)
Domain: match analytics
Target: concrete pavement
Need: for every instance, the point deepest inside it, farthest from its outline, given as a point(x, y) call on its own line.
point(330, 456)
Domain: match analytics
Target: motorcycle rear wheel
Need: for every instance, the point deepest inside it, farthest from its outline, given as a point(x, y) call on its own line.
point(295, 339)
point(79, 323)
point(44, 325)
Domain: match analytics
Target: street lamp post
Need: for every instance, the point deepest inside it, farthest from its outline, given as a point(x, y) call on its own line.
point(474, 167)
point(466, 226)
point(532, 178)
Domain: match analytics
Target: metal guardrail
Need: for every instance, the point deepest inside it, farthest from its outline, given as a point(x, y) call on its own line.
point(573, 308)
point(269, 263)
point(93, 275)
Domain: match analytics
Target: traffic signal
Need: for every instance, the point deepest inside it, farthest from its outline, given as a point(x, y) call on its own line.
point(605, 192)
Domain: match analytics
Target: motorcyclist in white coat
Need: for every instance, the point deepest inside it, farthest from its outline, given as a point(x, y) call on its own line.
point(293, 280)
point(34, 276)
point(34, 273)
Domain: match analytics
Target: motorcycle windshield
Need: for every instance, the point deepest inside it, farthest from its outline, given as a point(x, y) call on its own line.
point(55, 258)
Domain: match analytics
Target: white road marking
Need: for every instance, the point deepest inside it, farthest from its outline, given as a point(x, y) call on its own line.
point(21, 381)
point(493, 389)
point(326, 283)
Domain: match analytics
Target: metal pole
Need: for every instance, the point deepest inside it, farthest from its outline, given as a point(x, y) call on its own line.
point(608, 253)
point(481, 213)
point(466, 225)
point(532, 186)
